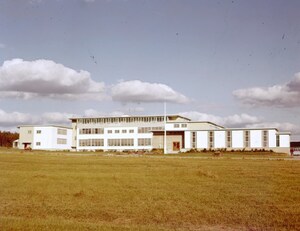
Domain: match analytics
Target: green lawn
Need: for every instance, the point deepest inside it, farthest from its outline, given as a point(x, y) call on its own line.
point(55, 191)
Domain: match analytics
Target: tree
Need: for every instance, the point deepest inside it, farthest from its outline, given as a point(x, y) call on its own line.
point(7, 138)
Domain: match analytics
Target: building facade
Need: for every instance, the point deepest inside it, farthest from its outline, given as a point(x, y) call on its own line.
point(182, 134)
point(44, 137)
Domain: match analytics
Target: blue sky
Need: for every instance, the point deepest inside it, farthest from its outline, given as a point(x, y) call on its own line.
point(236, 63)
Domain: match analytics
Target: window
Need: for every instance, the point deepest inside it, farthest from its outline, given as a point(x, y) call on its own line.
point(91, 131)
point(246, 139)
point(120, 142)
point(211, 139)
point(131, 131)
point(228, 139)
point(144, 142)
point(29, 131)
point(117, 131)
point(61, 131)
point(144, 129)
point(91, 142)
point(124, 131)
point(194, 139)
point(38, 131)
point(38, 143)
point(61, 141)
point(265, 139)
point(109, 131)
point(176, 125)
point(183, 125)
point(277, 141)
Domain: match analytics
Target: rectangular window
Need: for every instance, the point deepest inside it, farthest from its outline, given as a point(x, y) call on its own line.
point(117, 131)
point(38, 143)
point(144, 130)
point(120, 142)
point(246, 139)
point(91, 142)
point(176, 125)
point(211, 139)
point(61, 131)
point(124, 131)
point(29, 131)
point(61, 141)
point(109, 131)
point(38, 131)
point(265, 139)
point(131, 131)
point(144, 142)
point(228, 139)
point(194, 139)
point(277, 141)
point(183, 125)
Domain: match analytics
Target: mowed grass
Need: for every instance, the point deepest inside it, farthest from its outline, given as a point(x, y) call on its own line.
point(54, 191)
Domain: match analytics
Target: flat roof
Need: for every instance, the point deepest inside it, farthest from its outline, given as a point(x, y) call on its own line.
point(47, 125)
point(127, 116)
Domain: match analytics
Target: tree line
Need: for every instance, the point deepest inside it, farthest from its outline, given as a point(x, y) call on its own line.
point(7, 138)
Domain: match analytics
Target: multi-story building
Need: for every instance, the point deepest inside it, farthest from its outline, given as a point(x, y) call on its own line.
point(44, 137)
point(182, 134)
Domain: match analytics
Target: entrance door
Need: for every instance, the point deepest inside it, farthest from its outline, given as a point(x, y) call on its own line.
point(176, 146)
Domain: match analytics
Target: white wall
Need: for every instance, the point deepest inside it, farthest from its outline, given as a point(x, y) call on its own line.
point(256, 138)
point(237, 138)
point(187, 139)
point(219, 139)
point(202, 139)
point(48, 138)
point(272, 138)
point(284, 141)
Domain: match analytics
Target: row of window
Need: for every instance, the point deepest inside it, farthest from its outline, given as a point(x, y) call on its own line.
point(60, 131)
point(148, 129)
point(147, 119)
point(265, 138)
point(178, 125)
point(58, 141)
point(91, 143)
point(118, 131)
point(91, 131)
point(114, 142)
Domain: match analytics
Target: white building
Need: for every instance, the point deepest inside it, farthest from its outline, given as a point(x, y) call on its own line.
point(44, 137)
point(147, 132)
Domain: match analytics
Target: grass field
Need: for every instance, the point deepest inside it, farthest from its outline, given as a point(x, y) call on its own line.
point(57, 191)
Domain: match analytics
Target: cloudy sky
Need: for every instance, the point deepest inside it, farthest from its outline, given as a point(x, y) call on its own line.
point(236, 62)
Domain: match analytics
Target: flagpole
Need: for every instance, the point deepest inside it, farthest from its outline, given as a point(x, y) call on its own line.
point(165, 130)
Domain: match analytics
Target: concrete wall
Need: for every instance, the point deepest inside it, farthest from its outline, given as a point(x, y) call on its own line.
point(255, 138)
point(219, 139)
point(284, 141)
point(202, 139)
point(237, 139)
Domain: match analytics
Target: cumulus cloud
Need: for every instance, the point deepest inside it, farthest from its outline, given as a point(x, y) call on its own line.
point(12, 119)
point(138, 91)
point(289, 127)
point(229, 121)
point(285, 95)
point(9, 119)
point(45, 78)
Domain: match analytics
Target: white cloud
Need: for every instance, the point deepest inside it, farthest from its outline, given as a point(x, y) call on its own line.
point(289, 127)
point(2, 46)
point(138, 91)
point(45, 78)
point(285, 95)
point(9, 119)
point(229, 121)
